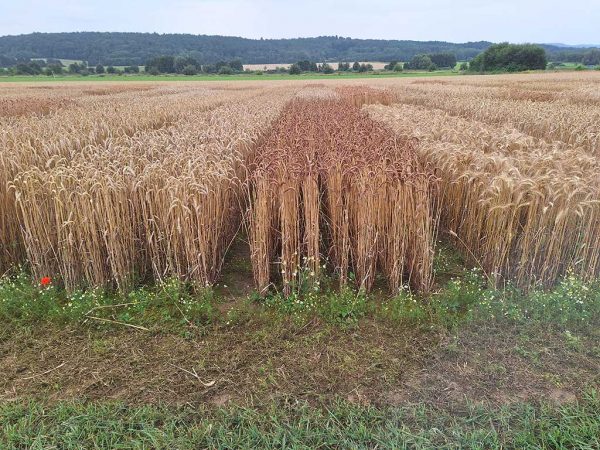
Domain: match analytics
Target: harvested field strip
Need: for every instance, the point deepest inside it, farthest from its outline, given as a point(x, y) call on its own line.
point(329, 182)
point(527, 210)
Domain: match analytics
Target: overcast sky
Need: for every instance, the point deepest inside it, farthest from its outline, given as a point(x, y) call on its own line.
point(566, 21)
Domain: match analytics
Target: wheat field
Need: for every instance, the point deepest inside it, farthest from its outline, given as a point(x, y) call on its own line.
point(116, 184)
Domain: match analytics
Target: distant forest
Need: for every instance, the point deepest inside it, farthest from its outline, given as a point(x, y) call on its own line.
point(127, 49)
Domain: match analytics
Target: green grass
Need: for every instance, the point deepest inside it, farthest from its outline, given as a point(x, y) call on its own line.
point(465, 296)
point(31, 425)
point(169, 304)
point(239, 77)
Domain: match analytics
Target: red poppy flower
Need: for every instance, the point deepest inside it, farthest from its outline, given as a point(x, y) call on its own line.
point(45, 281)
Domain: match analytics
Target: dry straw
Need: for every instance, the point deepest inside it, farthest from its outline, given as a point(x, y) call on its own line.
point(329, 183)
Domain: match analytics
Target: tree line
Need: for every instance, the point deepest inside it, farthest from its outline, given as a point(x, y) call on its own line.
point(135, 49)
point(128, 49)
point(502, 57)
point(188, 65)
point(53, 67)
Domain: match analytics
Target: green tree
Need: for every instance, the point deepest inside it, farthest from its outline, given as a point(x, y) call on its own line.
point(391, 65)
point(507, 57)
point(591, 57)
point(100, 68)
point(30, 68)
point(76, 67)
point(182, 62)
point(326, 68)
point(446, 59)
point(307, 66)
point(111, 70)
point(164, 64)
point(236, 65)
point(420, 62)
point(356, 66)
point(54, 69)
point(189, 70)
point(295, 69)
point(209, 68)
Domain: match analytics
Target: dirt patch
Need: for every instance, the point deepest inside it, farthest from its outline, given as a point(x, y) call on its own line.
point(261, 360)
point(503, 364)
point(248, 363)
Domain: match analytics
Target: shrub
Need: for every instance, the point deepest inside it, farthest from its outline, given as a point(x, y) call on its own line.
point(295, 69)
point(189, 70)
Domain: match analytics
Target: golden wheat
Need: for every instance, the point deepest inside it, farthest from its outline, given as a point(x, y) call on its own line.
point(525, 209)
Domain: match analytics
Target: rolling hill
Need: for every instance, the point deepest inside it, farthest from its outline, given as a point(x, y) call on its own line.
point(136, 48)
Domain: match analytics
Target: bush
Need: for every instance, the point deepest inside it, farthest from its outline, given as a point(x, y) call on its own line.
point(225, 70)
point(189, 70)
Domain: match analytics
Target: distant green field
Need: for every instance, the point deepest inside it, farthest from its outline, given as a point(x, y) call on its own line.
point(239, 77)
